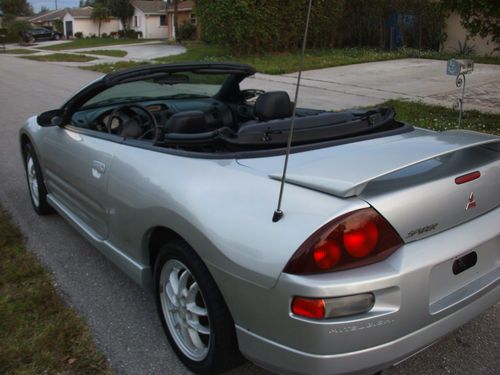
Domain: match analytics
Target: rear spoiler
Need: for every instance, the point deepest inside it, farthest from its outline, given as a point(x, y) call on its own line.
point(344, 171)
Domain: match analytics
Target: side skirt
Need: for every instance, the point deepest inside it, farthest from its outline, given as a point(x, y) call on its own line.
point(138, 272)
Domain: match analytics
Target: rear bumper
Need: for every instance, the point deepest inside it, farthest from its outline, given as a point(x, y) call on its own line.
point(418, 300)
point(280, 358)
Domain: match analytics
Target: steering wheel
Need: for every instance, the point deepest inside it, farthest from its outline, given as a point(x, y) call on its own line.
point(131, 125)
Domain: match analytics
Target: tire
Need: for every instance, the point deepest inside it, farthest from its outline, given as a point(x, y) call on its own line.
point(197, 323)
point(36, 186)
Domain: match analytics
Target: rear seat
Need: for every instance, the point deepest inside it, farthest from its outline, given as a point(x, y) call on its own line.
point(306, 122)
point(274, 112)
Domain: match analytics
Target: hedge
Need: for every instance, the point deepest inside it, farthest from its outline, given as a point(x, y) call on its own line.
point(249, 26)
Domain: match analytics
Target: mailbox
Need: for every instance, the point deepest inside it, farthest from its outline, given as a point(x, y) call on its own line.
point(459, 68)
point(456, 67)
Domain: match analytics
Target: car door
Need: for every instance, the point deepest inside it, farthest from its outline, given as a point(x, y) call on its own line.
point(76, 169)
point(39, 33)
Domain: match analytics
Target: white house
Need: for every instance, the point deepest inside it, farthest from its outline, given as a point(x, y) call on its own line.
point(78, 20)
point(150, 18)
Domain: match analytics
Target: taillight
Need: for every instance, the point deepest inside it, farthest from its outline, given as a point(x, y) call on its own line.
point(309, 307)
point(352, 240)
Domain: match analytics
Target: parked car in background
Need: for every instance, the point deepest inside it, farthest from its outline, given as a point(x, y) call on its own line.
point(42, 33)
point(390, 236)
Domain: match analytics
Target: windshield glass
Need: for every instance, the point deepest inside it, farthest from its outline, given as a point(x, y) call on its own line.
point(184, 85)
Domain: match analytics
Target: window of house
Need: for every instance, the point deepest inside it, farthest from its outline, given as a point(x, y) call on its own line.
point(163, 20)
point(136, 21)
point(193, 19)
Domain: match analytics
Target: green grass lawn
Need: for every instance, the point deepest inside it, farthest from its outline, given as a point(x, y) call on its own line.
point(66, 57)
point(39, 334)
point(106, 52)
point(20, 51)
point(92, 42)
point(443, 118)
point(281, 63)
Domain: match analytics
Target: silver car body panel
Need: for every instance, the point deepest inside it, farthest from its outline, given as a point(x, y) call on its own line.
point(408, 178)
point(116, 194)
point(345, 170)
point(418, 300)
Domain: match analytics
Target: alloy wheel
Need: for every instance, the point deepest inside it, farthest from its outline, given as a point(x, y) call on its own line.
point(32, 180)
point(185, 310)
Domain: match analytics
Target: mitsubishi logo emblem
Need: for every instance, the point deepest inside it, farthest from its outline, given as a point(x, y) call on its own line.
point(471, 203)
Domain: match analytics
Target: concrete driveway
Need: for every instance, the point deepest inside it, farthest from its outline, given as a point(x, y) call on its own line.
point(372, 83)
point(148, 50)
point(143, 51)
point(121, 316)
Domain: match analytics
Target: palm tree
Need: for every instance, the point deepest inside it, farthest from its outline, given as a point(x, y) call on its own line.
point(175, 3)
point(100, 14)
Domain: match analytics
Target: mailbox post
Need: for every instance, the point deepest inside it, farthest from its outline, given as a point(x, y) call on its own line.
point(459, 68)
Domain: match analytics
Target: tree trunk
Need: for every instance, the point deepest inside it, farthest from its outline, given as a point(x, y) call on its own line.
point(176, 9)
point(99, 30)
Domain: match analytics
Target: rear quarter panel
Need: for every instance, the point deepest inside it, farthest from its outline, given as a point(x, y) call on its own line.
point(222, 209)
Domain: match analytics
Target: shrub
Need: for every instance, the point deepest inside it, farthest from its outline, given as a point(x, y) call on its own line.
point(130, 34)
point(58, 25)
point(113, 34)
point(104, 35)
point(248, 26)
point(186, 31)
point(78, 35)
point(15, 29)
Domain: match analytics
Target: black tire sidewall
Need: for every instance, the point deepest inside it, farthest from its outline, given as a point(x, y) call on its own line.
point(223, 353)
point(43, 208)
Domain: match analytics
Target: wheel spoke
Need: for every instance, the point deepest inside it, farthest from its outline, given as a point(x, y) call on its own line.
point(193, 290)
point(198, 327)
point(183, 283)
point(171, 295)
point(173, 280)
point(197, 310)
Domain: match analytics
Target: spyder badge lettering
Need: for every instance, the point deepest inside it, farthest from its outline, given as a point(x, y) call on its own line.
point(422, 230)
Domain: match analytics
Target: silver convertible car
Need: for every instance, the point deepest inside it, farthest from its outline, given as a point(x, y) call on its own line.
point(389, 239)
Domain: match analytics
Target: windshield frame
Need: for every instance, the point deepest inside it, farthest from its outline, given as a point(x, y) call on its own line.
point(236, 72)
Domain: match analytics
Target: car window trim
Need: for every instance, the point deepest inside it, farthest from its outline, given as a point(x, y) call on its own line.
point(94, 133)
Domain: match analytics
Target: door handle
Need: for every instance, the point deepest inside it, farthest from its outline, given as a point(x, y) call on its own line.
point(98, 168)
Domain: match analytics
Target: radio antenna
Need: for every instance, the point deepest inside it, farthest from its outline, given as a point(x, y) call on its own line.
point(278, 214)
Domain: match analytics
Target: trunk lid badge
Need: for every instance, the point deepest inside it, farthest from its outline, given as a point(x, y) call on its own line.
point(471, 203)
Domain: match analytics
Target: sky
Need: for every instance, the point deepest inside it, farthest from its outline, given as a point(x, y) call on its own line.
point(51, 4)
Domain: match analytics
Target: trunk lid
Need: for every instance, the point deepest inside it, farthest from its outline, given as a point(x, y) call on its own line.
point(408, 178)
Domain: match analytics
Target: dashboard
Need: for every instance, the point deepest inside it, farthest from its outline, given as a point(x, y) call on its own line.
point(217, 113)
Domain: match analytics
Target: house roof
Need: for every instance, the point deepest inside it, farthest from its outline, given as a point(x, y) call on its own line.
point(84, 12)
point(150, 7)
point(183, 6)
point(51, 15)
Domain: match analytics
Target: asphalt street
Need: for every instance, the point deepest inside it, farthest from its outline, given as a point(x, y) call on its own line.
point(121, 316)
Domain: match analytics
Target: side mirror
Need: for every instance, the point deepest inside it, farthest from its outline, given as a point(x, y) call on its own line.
point(56, 121)
point(51, 118)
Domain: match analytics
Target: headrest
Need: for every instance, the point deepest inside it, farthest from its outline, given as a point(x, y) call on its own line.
point(273, 105)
